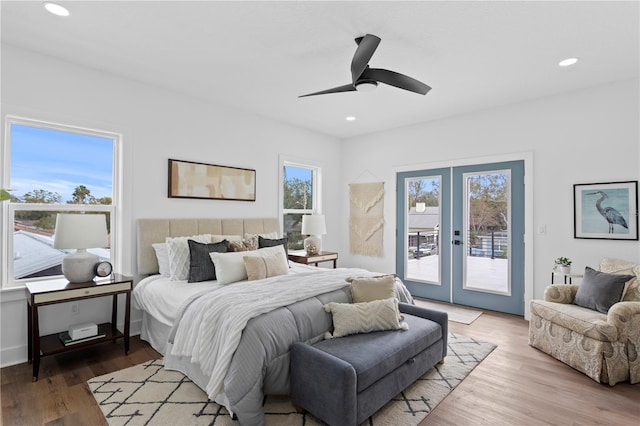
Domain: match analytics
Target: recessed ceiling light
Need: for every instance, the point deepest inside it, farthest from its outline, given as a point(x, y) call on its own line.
point(567, 62)
point(56, 9)
point(350, 118)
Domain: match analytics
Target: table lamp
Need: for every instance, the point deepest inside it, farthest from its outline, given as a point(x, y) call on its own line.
point(80, 232)
point(313, 226)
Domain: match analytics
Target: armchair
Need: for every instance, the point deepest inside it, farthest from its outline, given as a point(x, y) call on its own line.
point(604, 346)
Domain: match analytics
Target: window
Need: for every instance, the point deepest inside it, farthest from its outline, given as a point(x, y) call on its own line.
point(52, 169)
point(300, 196)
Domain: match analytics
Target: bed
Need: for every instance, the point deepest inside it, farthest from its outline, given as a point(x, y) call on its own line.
point(233, 340)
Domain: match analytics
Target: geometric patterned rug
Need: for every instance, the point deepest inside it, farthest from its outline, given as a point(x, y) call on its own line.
point(147, 394)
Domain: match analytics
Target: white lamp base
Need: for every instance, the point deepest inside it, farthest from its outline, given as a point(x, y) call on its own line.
point(313, 244)
point(78, 267)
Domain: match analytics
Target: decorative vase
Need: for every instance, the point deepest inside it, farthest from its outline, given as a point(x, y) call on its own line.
point(564, 269)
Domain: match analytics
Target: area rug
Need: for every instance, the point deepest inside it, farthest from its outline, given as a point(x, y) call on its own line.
point(147, 394)
point(456, 313)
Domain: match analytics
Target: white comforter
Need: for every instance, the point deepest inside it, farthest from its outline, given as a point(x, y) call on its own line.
point(163, 298)
point(209, 327)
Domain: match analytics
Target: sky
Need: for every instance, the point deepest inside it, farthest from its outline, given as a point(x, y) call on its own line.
point(298, 172)
point(59, 161)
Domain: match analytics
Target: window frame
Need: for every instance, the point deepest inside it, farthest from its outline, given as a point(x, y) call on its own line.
point(316, 187)
point(8, 209)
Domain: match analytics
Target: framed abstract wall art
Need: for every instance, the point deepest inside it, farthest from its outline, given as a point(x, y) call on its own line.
point(188, 179)
point(606, 210)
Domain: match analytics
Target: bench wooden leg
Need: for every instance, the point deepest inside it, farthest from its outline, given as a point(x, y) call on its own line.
point(441, 361)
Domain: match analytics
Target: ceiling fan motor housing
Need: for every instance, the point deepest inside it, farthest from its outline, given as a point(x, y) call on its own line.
point(366, 85)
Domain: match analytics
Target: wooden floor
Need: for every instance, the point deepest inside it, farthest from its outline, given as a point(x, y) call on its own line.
point(61, 395)
point(514, 385)
point(519, 385)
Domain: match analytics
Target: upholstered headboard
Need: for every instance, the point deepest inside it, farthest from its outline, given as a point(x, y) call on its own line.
point(152, 231)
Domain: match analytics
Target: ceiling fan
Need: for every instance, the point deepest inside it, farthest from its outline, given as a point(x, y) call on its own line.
point(364, 78)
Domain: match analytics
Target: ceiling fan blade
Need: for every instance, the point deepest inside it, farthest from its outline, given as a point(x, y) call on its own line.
point(396, 79)
point(366, 48)
point(345, 88)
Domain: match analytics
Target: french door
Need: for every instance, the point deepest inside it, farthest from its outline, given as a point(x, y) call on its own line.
point(460, 235)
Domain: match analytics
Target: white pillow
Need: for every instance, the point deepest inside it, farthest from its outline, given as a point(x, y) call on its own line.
point(178, 249)
point(162, 255)
point(230, 266)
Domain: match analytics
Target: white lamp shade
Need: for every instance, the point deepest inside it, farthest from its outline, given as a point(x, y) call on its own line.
point(313, 225)
point(80, 231)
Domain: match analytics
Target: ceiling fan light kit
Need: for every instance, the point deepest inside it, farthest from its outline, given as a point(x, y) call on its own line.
point(365, 79)
point(366, 86)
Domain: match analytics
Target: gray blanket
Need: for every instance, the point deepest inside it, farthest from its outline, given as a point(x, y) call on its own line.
point(260, 364)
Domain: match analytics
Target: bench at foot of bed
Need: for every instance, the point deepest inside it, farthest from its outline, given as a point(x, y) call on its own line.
point(344, 381)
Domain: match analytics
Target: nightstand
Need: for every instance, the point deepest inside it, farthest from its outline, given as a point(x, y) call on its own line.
point(300, 256)
point(49, 292)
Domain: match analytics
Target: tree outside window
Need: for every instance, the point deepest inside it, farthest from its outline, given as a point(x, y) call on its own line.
point(299, 198)
point(53, 169)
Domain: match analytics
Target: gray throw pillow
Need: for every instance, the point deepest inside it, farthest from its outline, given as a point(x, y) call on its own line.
point(201, 267)
point(268, 242)
point(600, 290)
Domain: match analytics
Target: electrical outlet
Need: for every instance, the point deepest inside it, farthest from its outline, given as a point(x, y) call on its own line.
point(75, 308)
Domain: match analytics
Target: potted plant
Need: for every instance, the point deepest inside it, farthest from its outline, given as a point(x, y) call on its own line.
point(563, 265)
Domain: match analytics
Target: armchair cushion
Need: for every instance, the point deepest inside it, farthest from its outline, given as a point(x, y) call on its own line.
point(586, 322)
point(600, 290)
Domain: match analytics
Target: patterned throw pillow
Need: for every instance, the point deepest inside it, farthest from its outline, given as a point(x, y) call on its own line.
point(251, 240)
point(178, 250)
point(355, 318)
point(236, 246)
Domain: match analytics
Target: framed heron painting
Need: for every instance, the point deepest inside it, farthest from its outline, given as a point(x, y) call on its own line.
point(606, 211)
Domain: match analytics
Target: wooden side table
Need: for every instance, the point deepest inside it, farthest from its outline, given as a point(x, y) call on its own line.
point(300, 256)
point(41, 293)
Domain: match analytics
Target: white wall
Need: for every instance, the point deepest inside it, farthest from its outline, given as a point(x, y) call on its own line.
point(584, 136)
point(156, 125)
point(580, 137)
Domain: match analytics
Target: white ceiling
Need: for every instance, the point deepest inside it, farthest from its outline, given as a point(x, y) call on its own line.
point(259, 56)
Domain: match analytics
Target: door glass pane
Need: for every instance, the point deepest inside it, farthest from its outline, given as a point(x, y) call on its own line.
point(423, 225)
point(487, 218)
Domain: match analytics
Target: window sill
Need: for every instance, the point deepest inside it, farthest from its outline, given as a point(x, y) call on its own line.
point(12, 294)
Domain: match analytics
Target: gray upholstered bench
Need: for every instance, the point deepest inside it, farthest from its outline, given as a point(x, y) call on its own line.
point(343, 381)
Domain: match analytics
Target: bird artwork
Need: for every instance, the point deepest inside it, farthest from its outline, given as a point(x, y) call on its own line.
point(611, 215)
